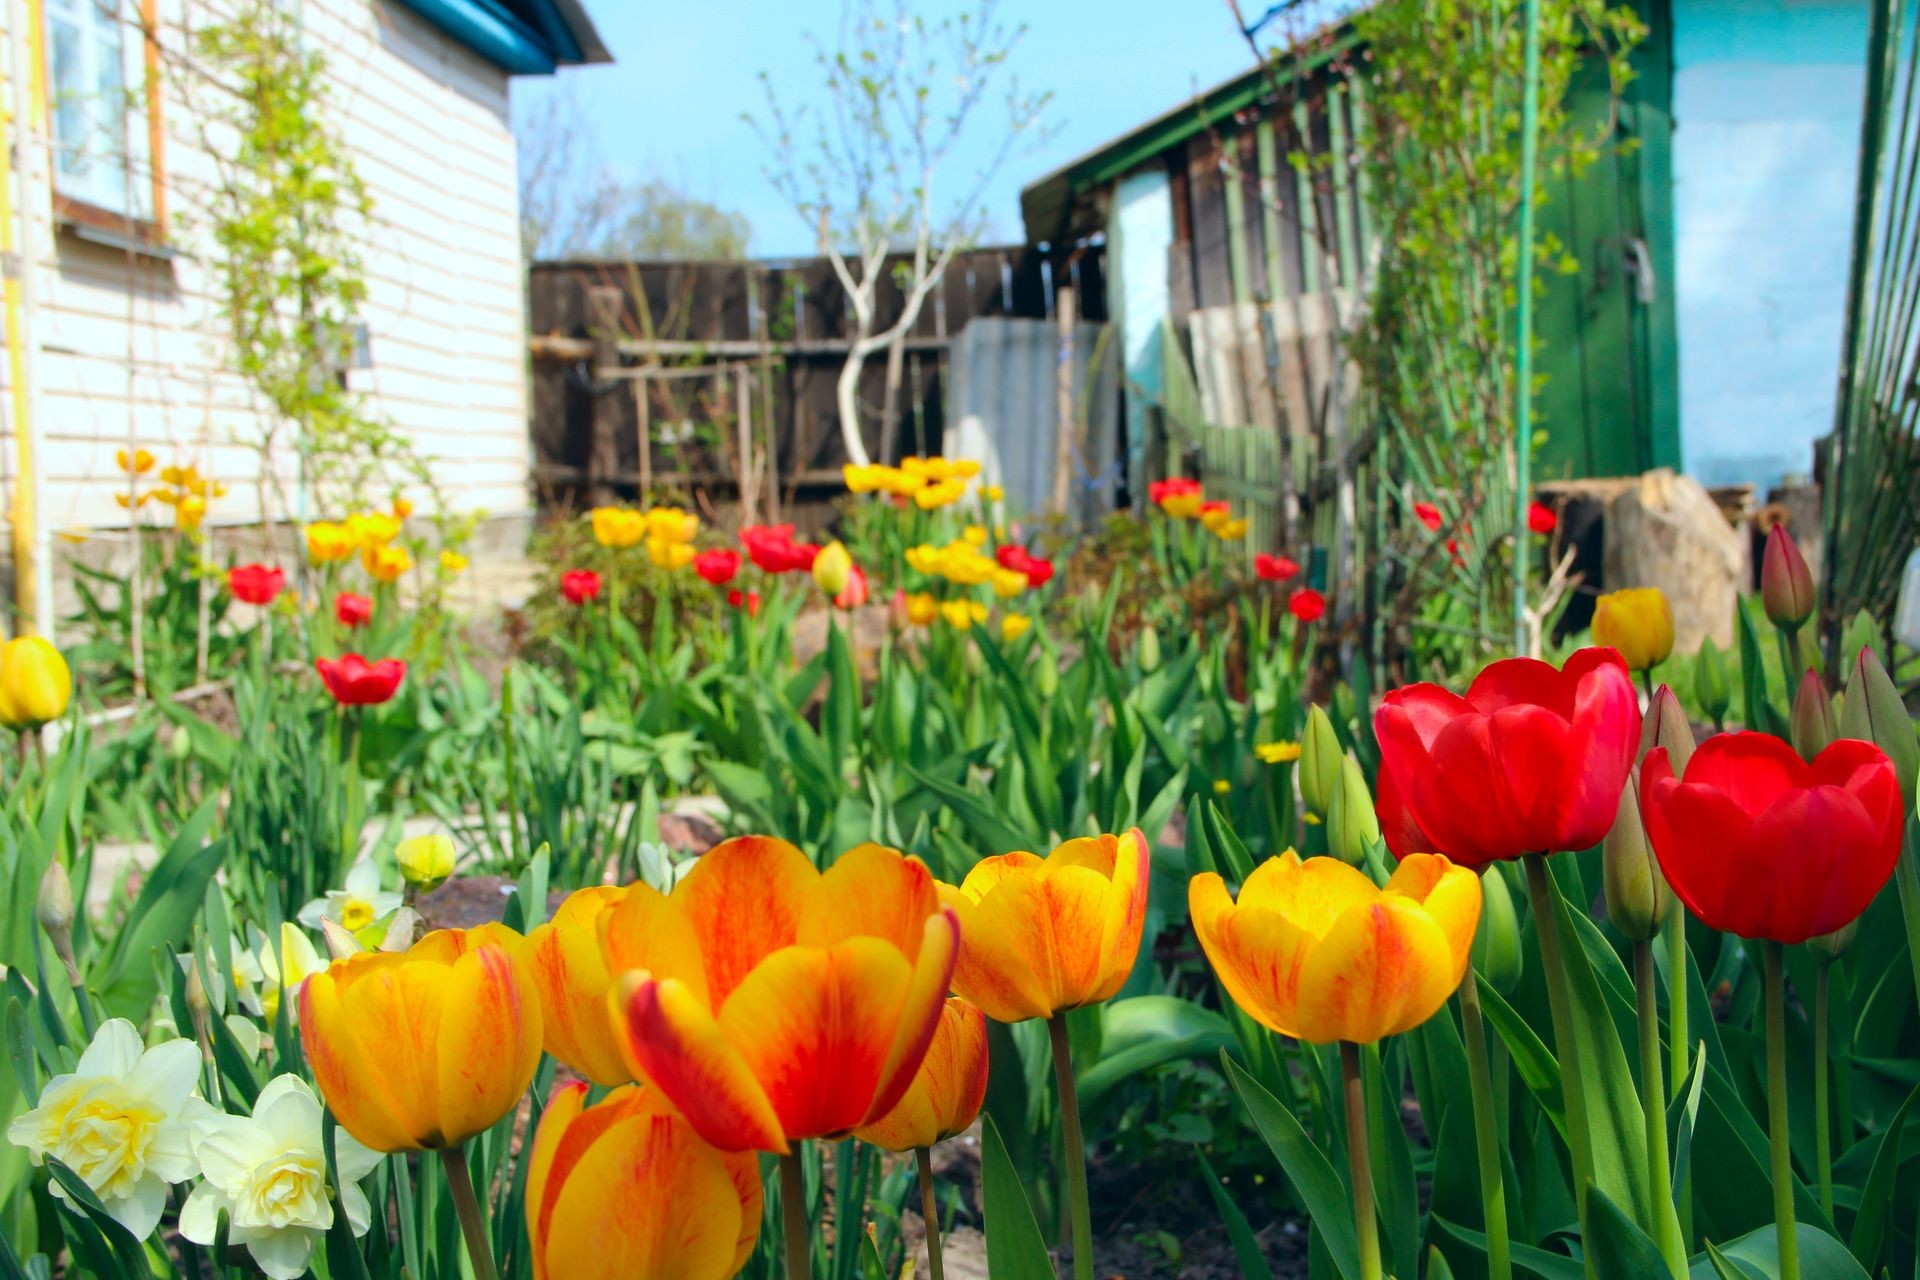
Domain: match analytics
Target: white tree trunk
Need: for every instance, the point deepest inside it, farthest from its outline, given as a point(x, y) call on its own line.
point(847, 393)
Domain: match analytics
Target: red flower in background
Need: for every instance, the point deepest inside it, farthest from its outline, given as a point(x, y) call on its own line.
point(717, 567)
point(580, 586)
point(1531, 760)
point(854, 594)
point(772, 548)
point(1428, 515)
point(1013, 556)
point(355, 682)
point(353, 611)
point(1307, 605)
point(1273, 568)
point(749, 600)
point(1541, 518)
point(255, 583)
point(1758, 842)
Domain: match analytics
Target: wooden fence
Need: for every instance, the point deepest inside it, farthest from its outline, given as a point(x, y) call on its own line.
point(717, 379)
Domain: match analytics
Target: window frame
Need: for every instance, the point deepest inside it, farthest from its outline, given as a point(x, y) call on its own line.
point(146, 231)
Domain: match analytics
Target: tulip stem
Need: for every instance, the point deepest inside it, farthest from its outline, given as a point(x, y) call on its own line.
point(929, 1212)
point(793, 1213)
point(1906, 875)
point(1785, 1234)
point(1679, 1037)
point(1653, 1105)
point(1546, 920)
point(1486, 1124)
point(1822, 1124)
point(1076, 1149)
point(1360, 1162)
point(465, 1203)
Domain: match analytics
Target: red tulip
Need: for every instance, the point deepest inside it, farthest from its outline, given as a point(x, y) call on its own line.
point(580, 586)
point(1428, 515)
point(1786, 584)
point(1016, 557)
point(1532, 760)
point(1273, 568)
point(355, 682)
point(772, 548)
point(1307, 604)
point(1541, 518)
point(717, 567)
point(255, 583)
point(749, 600)
point(1176, 487)
point(1397, 826)
point(353, 611)
point(1760, 843)
point(855, 593)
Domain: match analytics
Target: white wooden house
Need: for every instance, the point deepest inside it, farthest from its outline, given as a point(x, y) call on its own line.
point(126, 342)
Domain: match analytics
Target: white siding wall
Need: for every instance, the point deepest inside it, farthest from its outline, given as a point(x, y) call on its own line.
point(143, 345)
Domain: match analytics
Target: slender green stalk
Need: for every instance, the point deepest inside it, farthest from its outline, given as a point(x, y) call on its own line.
point(1486, 1127)
point(793, 1214)
point(929, 1212)
point(1906, 874)
point(1653, 1106)
point(1523, 337)
point(1546, 920)
point(1679, 1037)
point(1822, 1124)
point(1076, 1146)
point(1785, 1233)
point(473, 1224)
point(1361, 1162)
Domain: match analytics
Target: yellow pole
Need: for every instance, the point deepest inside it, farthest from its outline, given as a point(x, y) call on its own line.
point(13, 235)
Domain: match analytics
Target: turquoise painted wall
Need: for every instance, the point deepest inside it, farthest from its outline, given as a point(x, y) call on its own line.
point(1766, 110)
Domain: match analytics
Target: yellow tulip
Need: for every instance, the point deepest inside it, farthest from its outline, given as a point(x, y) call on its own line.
point(927, 559)
point(626, 1190)
point(1315, 950)
point(571, 972)
point(671, 524)
point(35, 684)
point(402, 508)
point(1015, 625)
point(962, 614)
point(1215, 518)
point(618, 527)
point(832, 567)
point(1008, 583)
point(189, 511)
point(940, 494)
point(1183, 506)
point(372, 529)
point(975, 535)
point(424, 1048)
point(922, 609)
point(1041, 935)
point(1231, 530)
point(385, 563)
point(863, 479)
point(1638, 622)
point(452, 562)
point(992, 492)
point(961, 565)
point(947, 1091)
point(328, 542)
point(669, 555)
point(139, 463)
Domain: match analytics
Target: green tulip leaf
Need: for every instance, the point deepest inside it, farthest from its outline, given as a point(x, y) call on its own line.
point(1754, 1256)
point(1306, 1166)
point(1620, 1248)
point(1015, 1247)
point(1876, 1198)
point(1526, 1258)
point(1246, 1246)
point(1144, 1032)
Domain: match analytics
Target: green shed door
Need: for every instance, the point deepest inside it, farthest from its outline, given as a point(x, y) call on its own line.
point(1608, 403)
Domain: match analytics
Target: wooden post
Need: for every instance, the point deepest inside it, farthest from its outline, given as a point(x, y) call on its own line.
point(643, 431)
point(603, 460)
point(1064, 312)
point(743, 437)
point(769, 397)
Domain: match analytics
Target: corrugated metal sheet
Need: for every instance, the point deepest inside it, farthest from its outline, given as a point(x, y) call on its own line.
point(1003, 411)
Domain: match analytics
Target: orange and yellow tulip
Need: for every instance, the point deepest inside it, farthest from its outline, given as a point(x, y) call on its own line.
point(1315, 950)
point(570, 971)
point(947, 1091)
point(424, 1048)
point(626, 1190)
point(1042, 935)
point(774, 1002)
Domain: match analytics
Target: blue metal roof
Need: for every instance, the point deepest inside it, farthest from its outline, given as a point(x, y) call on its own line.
point(521, 37)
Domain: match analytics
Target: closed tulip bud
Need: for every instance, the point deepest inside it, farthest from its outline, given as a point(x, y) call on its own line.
point(832, 568)
point(1873, 711)
point(1666, 725)
point(1786, 584)
point(1046, 677)
point(425, 861)
point(1711, 688)
point(180, 745)
point(1638, 622)
point(35, 684)
point(1149, 650)
point(54, 910)
point(1813, 725)
point(1352, 824)
point(1496, 944)
point(1320, 756)
point(1831, 946)
point(1637, 894)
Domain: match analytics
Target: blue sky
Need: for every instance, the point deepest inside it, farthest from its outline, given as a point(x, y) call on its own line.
point(671, 103)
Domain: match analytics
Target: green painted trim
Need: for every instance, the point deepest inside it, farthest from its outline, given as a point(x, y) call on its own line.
point(1357, 91)
point(1650, 101)
point(1309, 203)
point(1270, 208)
point(1237, 266)
point(1343, 231)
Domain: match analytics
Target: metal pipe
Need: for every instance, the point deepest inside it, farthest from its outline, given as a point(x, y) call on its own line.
point(1523, 357)
point(32, 553)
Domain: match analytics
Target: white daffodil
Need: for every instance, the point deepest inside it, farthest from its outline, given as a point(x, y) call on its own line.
point(357, 905)
point(268, 1173)
point(120, 1120)
point(282, 969)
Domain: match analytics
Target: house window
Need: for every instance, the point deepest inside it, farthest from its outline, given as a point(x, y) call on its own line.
point(100, 108)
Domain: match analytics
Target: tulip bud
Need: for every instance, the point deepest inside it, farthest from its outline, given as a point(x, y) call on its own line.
point(1637, 894)
point(35, 683)
point(180, 745)
point(1873, 711)
point(1831, 946)
point(340, 943)
point(832, 567)
point(1046, 676)
point(1812, 726)
point(1786, 584)
point(1711, 688)
point(425, 861)
point(1496, 944)
point(54, 909)
point(1213, 724)
point(1149, 650)
point(1638, 623)
point(1320, 757)
point(1352, 824)
point(1666, 725)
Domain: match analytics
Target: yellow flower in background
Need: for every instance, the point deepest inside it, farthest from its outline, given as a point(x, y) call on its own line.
point(618, 527)
point(670, 524)
point(425, 861)
point(151, 495)
point(282, 968)
point(1231, 530)
point(1214, 517)
point(402, 508)
point(941, 494)
point(139, 463)
point(1183, 506)
point(35, 683)
point(899, 482)
point(975, 535)
point(964, 566)
point(328, 542)
point(922, 609)
point(864, 479)
point(1008, 583)
point(964, 468)
point(1638, 622)
point(1221, 786)
point(385, 563)
point(1277, 752)
point(832, 567)
point(189, 512)
point(993, 493)
point(962, 614)
point(372, 528)
point(926, 559)
point(668, 554)
point(452, 562)
point(1015, 625)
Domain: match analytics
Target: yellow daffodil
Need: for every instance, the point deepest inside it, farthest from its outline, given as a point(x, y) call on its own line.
point(1277, 752)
